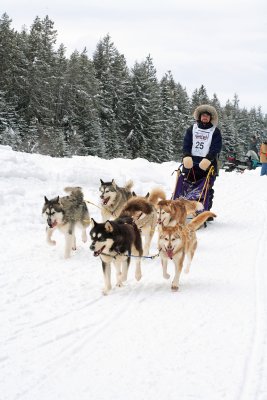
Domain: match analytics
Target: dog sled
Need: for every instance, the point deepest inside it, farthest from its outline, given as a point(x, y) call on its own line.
point(189, 187)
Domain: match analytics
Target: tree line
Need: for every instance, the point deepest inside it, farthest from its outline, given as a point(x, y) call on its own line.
point(59, 106)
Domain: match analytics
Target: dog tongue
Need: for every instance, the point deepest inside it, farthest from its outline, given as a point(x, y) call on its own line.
point(170, 253)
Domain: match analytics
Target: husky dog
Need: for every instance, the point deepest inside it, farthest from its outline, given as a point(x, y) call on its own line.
point(172, 212)
point(192, 207)
point(113, 198)
point(65, 213)
point(144, 214)
point(178, 241)
point(115, 242)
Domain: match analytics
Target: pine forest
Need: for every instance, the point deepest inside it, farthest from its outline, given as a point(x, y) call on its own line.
point(62, 106)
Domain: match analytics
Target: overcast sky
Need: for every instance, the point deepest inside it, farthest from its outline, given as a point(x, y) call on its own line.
point(221, 44)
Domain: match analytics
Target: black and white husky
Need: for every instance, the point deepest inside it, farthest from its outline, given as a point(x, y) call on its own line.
point(115, 242)
point(66, 213)
point(113, 198)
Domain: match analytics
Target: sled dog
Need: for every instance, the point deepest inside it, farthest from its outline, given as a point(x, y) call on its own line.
point(113, 198)
point(66, 213)
point(177, 242)
point(192, 207)
point(115, 241)
point(172, 212)
point(144, 214)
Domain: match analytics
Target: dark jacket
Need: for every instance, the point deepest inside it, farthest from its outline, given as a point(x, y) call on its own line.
point(215, 147)
point(253, 145)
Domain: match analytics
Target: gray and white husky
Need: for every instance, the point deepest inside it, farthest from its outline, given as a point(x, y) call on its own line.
point(113, 198)
point(66, 213)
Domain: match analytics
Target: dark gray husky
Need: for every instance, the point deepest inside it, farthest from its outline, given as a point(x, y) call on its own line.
point(113, 198)
point(115, 242)
point(66, 213)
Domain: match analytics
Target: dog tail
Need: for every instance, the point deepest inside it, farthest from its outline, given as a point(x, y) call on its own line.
point(155, 195)
point(76, 193)
point(72, 189)
point(136, 204)
point(128, 185)
point(200, 219)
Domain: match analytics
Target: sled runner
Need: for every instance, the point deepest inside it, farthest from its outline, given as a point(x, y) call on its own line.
point(190, 188)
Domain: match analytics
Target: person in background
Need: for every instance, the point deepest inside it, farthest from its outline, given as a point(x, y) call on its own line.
point(253, 144)
point(202, 144)
point(263, 157)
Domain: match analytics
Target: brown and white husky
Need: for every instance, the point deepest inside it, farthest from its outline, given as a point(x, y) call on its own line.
point(172, 212)
point(178, 241)
point(144, 214)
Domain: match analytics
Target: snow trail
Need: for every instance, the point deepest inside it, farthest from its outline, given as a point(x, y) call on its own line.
point(60, 339)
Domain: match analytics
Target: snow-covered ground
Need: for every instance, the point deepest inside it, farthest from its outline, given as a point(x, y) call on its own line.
point(61, 339)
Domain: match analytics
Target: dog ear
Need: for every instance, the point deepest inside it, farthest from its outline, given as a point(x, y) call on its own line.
point(113, 183)
point(46, 200)
point(57, 200)
point(94, 223)
point(134, 194)
point(147, 195)
point(108, 227)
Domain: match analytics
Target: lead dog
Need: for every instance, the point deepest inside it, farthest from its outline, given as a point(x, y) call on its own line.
point(66, 213)
point(115, 242)
point(113, 198)
point(177, 242)
point(144, 214)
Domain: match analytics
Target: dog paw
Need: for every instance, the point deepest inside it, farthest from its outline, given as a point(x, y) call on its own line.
point(166, 275)
point(52, 242)
point(119, 284)
point(174, 288)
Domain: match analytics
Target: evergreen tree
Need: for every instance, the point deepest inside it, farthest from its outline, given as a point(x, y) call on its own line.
point(7, 44)
point(146, 140)
point(170, 122)
point(41, 59)
point(113, 76)
point(229, 134)
point(8, 117)
point(199, 97)
point(57, 82)
point(185, 119)
point(82, 104)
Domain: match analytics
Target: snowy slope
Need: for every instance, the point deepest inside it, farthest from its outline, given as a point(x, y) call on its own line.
point(61, 339)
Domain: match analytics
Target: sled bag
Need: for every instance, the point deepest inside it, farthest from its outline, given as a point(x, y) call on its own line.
point(200, 190)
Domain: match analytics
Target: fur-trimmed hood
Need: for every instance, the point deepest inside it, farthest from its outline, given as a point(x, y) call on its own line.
point(210, 109)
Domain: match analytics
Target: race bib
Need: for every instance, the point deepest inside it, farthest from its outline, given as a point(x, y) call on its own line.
point(201, 140)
